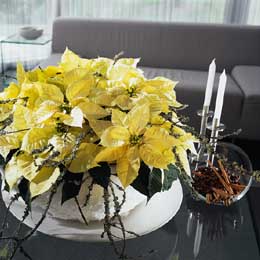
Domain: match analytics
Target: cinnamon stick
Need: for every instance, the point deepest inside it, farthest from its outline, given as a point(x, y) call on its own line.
point(238, 187)
point(226, 186)
point(208, 198)
point(221, 193)
point(224, 173)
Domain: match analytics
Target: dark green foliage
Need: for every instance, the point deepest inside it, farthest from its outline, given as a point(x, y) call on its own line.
point(24, 192)
point(170, 176)
point(142, 181)
point(71, 185)
point(161, 180)
point(149, 182)
point(10, 155)
point(155, 182)
point(101, 174)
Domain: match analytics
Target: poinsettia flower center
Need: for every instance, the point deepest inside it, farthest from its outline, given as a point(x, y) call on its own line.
point(131, 91)
point(135, 139)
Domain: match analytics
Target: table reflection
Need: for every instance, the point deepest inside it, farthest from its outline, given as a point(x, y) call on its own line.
point(211, 222)
point(161, 244)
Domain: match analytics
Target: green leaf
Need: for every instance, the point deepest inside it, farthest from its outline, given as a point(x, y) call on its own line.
point(161, 180)
point(10, 155)
point(101, 174)
point(24, 191)
point(155, 182)
point(141, 183)
point(175, 257)
point(170, 176)
point(4, 252)
point(2, 160)
point(71, 186)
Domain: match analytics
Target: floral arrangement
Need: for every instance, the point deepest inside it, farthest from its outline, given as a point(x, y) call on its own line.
point(83, 117)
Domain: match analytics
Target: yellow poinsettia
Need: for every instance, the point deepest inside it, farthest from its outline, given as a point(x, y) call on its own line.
point(130, 140)
point(23, 166)
point(8, 143)
point(122, 117)
point(70, 61)
point(12, 91)
point(84, 159)
point(46, 178)
point(36, 138)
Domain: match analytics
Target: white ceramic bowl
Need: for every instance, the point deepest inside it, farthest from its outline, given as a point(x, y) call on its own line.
point(143, 219)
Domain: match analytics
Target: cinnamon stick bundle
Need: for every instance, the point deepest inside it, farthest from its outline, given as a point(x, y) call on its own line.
point(216, 184)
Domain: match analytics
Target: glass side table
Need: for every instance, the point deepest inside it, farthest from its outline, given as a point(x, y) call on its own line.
point(16, 45)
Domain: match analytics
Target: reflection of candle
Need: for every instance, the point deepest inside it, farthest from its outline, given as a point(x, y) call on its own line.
point(210, 83)
point(197, 239)
point(220, 95)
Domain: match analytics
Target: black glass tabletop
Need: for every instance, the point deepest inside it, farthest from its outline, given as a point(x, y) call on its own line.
point(197, 231)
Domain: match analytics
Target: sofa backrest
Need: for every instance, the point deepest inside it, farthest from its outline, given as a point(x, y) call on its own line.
point(159, 44)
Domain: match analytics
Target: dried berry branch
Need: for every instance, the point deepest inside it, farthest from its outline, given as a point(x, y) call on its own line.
point(122, 190)
point(3, 132)
point(48, 161)
point(187, 180)
point(20, 241)
point(8, 121)
point(13, 100)
point(90, 188)
point(12, 200)
point(108, 224)
point(80, 211)
point(118, 56)
point(118, 217)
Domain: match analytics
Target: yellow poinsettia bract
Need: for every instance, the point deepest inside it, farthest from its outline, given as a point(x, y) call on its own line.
point(130, 139)
point(86, 111)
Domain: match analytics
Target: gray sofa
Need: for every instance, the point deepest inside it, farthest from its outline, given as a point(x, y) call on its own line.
point(181, 52)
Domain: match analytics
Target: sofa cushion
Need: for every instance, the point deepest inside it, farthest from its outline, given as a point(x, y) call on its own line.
point(248, 79)
point(191, 90)
point(160, 44)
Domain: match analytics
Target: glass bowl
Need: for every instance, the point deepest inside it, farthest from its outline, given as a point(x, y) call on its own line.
point(233, 153)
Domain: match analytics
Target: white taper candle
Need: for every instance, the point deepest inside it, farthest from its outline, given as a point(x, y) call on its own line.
point(210, 83)
point(220, 95)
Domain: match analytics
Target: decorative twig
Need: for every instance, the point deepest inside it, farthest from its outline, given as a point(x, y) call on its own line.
point(118, 217)
point(8, 121)
point(12, 200)
point(90, 187)
point(2, 132)
point(48, 162)
point(12, 100)
point(30, 233)
point(107, 222)
point(124, 194)
point(22, 251)
point(117, 56)
point(81, 212)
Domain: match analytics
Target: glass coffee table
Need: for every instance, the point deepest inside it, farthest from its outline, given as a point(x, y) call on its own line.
point(14, 42)
point(197, 231)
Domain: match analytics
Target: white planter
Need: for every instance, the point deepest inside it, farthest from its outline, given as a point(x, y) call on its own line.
point(141, 217)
